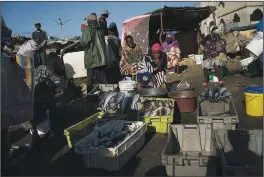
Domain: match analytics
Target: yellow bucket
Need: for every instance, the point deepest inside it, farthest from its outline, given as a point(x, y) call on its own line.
point(254, 101)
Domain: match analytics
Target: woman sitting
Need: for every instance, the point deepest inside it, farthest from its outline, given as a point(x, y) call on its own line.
point(131, 56)
point(171, 48)
point(152, 68)
point(213, 48)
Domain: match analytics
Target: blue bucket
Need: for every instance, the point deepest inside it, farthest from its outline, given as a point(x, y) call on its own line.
point(254, 89)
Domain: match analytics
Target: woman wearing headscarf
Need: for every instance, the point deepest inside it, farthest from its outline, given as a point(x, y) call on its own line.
point(152, 68)
point(95, 60)
point(213, 49)
point(131, 56)
point(171, 48)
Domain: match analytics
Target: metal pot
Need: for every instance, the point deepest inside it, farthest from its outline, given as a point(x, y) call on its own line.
point(152, 92)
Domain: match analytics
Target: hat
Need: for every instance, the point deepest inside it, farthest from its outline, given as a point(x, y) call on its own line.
point(105, 12)
point(37, 23)
point(83, 26)
point(156, 47)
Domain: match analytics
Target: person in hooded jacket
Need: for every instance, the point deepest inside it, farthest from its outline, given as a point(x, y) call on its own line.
point(95, 60)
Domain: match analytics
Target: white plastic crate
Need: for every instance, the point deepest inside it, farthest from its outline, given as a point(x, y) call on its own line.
point(104, 88)
point(241, 152)
point(111, 159)
point(190, 151)
point(227, 121)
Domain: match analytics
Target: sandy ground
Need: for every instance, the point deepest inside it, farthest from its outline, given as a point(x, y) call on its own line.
point(54, 157)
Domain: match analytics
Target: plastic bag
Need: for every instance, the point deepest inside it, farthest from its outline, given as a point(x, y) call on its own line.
point(27, 48)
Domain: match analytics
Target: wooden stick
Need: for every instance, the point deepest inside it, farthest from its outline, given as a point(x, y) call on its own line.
point(161, 28)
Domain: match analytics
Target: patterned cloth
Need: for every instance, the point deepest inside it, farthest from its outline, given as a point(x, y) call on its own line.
point(218, 61)
point(173, 52)
point(130, 59)
point(148, 67)
point(213, 46)
point(44, 74)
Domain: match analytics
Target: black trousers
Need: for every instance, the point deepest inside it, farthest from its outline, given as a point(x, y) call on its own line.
point(95, 76)
point(40, 107)
point(40, 58)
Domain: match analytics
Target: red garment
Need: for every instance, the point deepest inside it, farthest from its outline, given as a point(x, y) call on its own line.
point(83, 26)
point(102, 19)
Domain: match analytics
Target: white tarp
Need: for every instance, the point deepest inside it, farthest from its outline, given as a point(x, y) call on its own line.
point(74, 65)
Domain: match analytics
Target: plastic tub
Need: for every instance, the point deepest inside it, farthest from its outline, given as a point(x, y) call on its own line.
point(72, 137)
point(241, 152)
point(190, 151)
point(157, 124)
point(256, 44)
point(254, 101)
point(186, 100)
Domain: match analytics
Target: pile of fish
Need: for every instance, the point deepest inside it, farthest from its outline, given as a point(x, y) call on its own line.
point(111, 102)
point(111, 135)
point(215, 94)
point(158, 108)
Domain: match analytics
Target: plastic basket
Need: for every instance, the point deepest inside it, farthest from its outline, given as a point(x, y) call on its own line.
point(157, 123)
point(111, 159)
point(190, 151)
point(241, 152)
point(73, 137)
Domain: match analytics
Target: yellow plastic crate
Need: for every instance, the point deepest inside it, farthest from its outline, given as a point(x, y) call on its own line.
point(158, 124)
point(71, 138)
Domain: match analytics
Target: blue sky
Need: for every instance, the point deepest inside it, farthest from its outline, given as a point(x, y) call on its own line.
point(21, 16)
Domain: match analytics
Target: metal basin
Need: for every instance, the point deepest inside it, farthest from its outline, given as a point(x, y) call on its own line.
point(150, 92)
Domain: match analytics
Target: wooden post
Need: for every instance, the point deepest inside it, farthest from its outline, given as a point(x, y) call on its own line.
point(161, 28)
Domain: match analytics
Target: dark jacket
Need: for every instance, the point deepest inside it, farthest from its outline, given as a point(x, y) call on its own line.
point(93, 42)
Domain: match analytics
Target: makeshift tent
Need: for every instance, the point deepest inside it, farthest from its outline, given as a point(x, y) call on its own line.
point(146, 28)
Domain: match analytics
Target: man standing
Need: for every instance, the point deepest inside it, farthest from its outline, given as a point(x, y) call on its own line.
point(95, 60)
point(103, 22)
point(40, 37)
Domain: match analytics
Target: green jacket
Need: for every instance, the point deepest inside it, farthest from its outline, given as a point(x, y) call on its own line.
point(93, 42)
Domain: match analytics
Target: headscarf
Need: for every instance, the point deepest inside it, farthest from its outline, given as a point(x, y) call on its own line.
point(156, 47)
point(113, 28)
point(166, 46)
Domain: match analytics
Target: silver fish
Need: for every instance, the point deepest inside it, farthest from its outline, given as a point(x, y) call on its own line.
point(134, 101)
point(160, 103)
point(156, 111)
point(166, 111)
point(109, 96)
point(222, 90)
point(102, 99)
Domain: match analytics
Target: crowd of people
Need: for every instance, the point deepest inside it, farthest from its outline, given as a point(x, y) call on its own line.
point(149, 70)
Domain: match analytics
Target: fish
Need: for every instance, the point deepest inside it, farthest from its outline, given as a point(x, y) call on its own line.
point(97, 93)
point(214, 91)
point(134, 101)
point(102, 100)
point(160, 103)
point(126, 102)
point(166, 111)
point(156, 111)
point(108, 97)
point(222, 90)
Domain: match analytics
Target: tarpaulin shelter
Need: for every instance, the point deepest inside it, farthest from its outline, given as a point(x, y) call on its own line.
point(145, 29)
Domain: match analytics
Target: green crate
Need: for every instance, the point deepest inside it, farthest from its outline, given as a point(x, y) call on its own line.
point(158, 124)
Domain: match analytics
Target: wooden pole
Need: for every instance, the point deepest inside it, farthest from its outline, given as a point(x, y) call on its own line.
point(161, 28)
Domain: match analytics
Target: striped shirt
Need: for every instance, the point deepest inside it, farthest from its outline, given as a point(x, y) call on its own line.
point(147, 65)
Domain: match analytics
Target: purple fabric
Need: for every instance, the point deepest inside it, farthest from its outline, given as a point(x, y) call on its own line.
point(166, 46)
